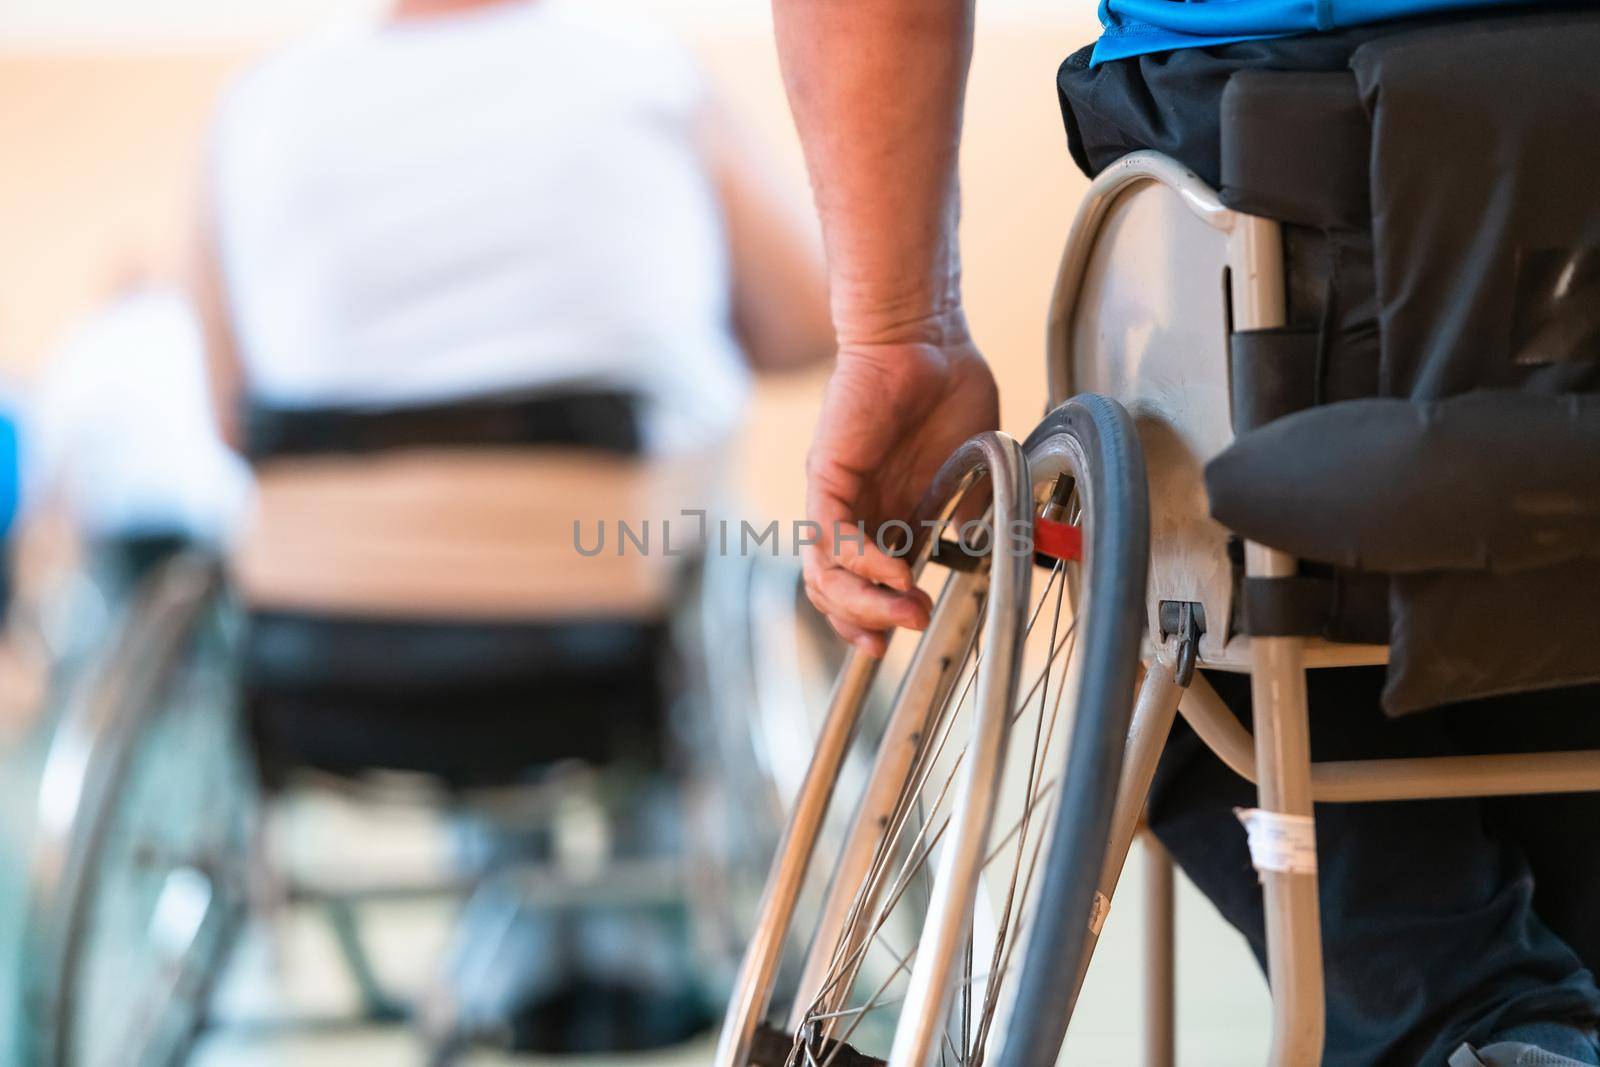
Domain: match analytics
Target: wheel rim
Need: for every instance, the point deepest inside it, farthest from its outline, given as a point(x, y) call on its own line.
point(860, 988)
point(992, 456)
point(101, 855)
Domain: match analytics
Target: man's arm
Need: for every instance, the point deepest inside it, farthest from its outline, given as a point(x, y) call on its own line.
point(208, 291)
point(877, 88)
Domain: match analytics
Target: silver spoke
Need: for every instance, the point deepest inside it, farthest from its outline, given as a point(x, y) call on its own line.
point(844, 964)
point(914, 829)
point(1001, 941)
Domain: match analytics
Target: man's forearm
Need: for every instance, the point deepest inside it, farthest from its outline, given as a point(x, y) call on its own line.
point(877, 88)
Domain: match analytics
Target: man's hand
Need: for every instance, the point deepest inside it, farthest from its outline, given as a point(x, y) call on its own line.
point(876, 87)
point(893, 413)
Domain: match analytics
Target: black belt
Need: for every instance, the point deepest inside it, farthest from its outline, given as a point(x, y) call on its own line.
point(601, 421)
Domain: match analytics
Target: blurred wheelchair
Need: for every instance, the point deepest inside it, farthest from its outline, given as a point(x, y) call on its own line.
point(154, 840)
point(129, 801)
point(142, 817)
point(960, 914)
point(583, 717)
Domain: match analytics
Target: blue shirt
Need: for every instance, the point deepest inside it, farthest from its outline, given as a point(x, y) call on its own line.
point(1137, 27)
point(10, 473)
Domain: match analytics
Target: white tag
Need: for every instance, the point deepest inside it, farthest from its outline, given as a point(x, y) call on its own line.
point(1098, 912)
point(1286, 844)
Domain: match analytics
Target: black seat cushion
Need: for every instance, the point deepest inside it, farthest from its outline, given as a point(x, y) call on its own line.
point(469, 703)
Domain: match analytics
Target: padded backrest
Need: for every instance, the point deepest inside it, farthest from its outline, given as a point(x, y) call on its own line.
point(1295, 147)
point(1467, 148)
point(1486, 220)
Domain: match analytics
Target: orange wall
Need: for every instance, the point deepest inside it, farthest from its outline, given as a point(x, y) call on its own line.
point(99, 153)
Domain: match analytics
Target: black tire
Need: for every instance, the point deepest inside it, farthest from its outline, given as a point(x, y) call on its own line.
point(1119, 544)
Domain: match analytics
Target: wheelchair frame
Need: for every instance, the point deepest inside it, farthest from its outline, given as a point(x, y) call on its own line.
point(1276, 758)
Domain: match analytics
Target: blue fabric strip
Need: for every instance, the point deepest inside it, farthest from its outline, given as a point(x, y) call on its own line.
point(1139, 27)
point(1126, 45)
point(10, 474)
point(1210, 18)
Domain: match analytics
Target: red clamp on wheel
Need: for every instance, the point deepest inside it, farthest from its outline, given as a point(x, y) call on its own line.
point(1058, 540)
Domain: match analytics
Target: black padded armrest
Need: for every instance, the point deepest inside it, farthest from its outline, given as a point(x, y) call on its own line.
point(1494, 480)
point(1295, 147)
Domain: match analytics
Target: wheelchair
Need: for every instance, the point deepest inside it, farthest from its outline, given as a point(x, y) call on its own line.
point(761, 660)
point(174, 750)
point(593, 750)
point(136, 873)
point(956, 921)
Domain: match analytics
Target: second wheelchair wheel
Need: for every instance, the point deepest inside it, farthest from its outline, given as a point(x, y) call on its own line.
point(138, 882)
point(974, 850)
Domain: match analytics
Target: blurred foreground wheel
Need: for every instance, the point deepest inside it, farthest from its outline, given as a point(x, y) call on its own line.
point(138, 878)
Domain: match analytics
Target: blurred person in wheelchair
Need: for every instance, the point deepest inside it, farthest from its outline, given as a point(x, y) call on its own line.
point(1462, 929)
point(484, 274)
point(112, 471)
point(118, 465)
point(121, 434)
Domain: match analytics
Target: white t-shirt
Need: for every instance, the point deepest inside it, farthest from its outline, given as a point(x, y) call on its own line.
point(496, 201)
point(120, 426)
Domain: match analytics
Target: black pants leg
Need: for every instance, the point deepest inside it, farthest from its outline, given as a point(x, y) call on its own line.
point(1430, 931)
point(1560, 834)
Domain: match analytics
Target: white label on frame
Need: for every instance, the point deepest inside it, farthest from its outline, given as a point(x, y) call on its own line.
point(1286, 844)
point(1098, 912)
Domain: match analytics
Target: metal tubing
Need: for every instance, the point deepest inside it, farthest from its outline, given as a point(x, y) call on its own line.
point(925, 690)
point(999, 459)
point(748, 1005)
point(1255, 253)
point(1278, 695)
point(1131, 170)
point(1283, 768)
point(1213, 722)
point(1424, 778)
point(955, 887)
point(1153, 713)
point(1438, 777)
point(1160, 957)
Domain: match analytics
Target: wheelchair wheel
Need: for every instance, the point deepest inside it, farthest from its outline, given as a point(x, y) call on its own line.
point(138, 878)
point(973, 854)
point(767, 659)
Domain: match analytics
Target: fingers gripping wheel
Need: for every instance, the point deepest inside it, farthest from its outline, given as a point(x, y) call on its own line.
point(967, 864)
